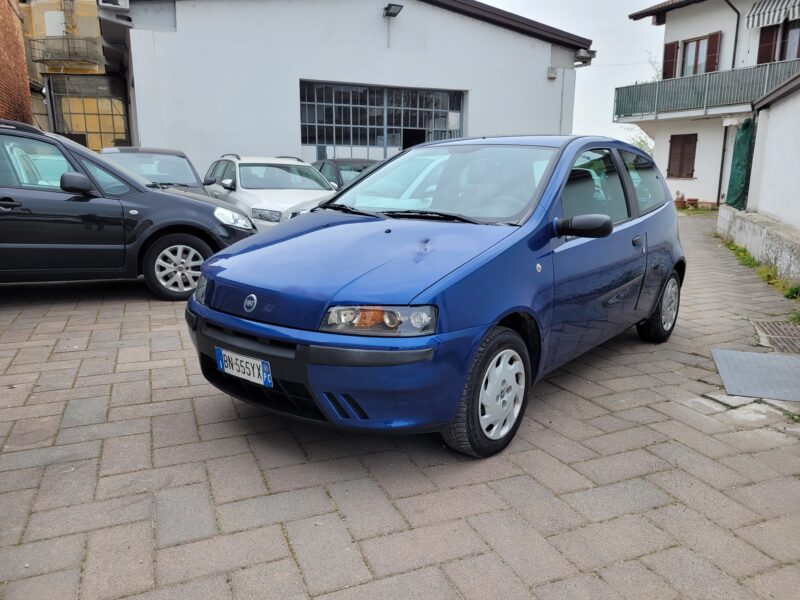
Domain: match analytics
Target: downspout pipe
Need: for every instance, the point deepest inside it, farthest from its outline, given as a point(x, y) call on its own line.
point(736, 35)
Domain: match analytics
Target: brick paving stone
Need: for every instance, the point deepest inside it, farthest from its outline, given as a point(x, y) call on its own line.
point(704, 406)
point(103, 430)
point(751, 416)
point(279, 580)
point(485, 576)
point(732, 401)
point(757, 439)
point(183, 514)
point(174, 429)
point(21, 479)
point(536, 504)
point(625, 465)
point(124, 454)
point(85, 411)
point(214, 408)
point(150, 480)
point(235, 478)
point(586, 586)
point(507, 533)
point(398, 475)
point(215, 587)
point(65, 484)
point(273, 508)
point(118, 562)
point(715, 505)
point(14, 508)
point(693, 576)
point(628, 400)
point(312, 474)
point(642, 415)
point(633, 581)
point(561, 422)
point(688, 436)
point(366, 510)
point(276, 449)
point(473, 471)
point(175, 455)
point(326, 554)
point(454, 503)
point(750, 467)
point(782, 461)
point(773, 498)
point(133, 392)
point(561, 447)
point(627, 439)
point(257, 425)
point(419, 585)
point(150, 409)
point(575, 406)
point(619, 539)
point(219, 554)
point(409, 550)
point(37, 558)
point(617, 499)
point(344, 447)
point(54, 586)
point(780, 584)
point(692, 418)
point(551, 472)
point(717, 545)
point(38, 432)
point(87, 516)
point(712, 472)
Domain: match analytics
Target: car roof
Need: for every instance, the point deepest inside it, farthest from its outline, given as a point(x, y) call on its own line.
point(142, 149)
point(552, 141)
point(349, 161)
point(272, 160)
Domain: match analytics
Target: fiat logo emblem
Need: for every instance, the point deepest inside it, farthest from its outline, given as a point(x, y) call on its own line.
point(250, 303)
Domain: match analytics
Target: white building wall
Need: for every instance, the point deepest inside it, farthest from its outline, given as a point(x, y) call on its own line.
point(227, 79)
point(703, 185)
point(773, 181)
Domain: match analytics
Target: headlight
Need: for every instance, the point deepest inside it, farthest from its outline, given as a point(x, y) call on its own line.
point(273, 216)
point(200, 290)
point(230, 217)
point(401, 321)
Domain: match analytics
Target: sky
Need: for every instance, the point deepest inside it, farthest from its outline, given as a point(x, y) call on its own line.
point(622, 52)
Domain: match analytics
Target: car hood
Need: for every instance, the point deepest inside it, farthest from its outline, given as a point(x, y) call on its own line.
point(181, 193)
point(299, 268)
point(282, 199)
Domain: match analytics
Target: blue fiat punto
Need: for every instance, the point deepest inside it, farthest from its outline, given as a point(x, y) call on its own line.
point(433, 293)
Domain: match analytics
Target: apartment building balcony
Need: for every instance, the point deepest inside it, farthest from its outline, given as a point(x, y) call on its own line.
point(716, 93)
point(66, 51)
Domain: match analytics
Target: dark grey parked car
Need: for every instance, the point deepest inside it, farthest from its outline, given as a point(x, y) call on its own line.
point(168, 168)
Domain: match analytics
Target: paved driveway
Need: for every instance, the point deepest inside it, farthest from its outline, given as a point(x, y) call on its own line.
point(122, 472)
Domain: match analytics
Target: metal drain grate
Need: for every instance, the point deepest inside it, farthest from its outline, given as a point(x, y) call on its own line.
point(759, 374)
point(784, 337)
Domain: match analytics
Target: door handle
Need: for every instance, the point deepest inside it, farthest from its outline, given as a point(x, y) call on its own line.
point(638, 240)
point(8, 203)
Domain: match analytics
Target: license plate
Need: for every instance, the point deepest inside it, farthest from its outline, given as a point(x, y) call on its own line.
point(244, 367)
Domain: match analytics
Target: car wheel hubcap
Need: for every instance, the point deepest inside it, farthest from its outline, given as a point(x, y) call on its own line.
point(502, 392)
point(669, 304)
point(178, 268)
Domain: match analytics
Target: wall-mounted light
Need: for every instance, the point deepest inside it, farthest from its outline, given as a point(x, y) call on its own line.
point(391, 10)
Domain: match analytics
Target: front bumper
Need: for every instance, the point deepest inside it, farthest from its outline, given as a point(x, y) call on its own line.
point(368, 384)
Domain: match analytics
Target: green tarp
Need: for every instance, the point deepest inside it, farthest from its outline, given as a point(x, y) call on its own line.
point(740, 165)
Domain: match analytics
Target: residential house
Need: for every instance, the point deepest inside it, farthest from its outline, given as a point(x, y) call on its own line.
point(719, 57)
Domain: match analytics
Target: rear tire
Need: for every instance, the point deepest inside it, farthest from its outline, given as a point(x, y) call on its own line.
point(171, 265)
point(661, 323)
point(494, 397)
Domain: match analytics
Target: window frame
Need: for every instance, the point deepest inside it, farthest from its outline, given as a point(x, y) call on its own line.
point(41, 188)
point(787, 27)
point(696, 41)
point(632, 190)
point(131, 189)
point(681, 172)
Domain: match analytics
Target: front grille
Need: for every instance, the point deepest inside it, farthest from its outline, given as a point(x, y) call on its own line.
point(290, 397)
point(339, 401)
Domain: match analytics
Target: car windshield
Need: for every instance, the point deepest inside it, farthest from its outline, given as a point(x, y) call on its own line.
point(349, 171)
point(100, 158)
point(281, 177)
point(157, 167)
point(486, 182)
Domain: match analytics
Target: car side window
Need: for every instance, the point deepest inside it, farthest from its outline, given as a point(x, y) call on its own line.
point(31, 163)
point(218, 170)
point(229, 172)
point(328, 172)
point(594, 187)
point(111, 185)
point(646, 181)
point(210, 172)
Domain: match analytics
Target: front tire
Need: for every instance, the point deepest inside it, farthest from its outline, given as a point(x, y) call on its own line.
point(171, 265)
point(494, 397)
point(661, 323)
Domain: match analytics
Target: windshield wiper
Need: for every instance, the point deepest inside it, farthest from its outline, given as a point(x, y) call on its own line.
point(170, 184)
point(349, 210)
point(436, 214)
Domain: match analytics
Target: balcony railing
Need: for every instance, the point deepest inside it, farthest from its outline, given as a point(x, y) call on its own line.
point(720, 88)
point(66, 49)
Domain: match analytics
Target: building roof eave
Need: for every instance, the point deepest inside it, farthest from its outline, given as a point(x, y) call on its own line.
point(661, 8)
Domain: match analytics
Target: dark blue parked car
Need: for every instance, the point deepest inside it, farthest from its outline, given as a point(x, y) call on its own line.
point(433, 293)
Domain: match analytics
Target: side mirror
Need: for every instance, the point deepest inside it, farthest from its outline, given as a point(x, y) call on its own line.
point(589, 226)
point(334, 185)
point(209, 181)
point(228, 184)
point(77, 183)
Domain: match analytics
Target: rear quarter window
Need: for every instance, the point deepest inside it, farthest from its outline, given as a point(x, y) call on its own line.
point(647, 181)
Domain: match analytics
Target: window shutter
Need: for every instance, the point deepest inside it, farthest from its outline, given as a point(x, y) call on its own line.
point(670, 60)
point(767, 43)
point(675, 155)
point(712, 52)
point(689, 151)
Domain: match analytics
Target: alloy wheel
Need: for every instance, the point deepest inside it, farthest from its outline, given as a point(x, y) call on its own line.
point(178, 268)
